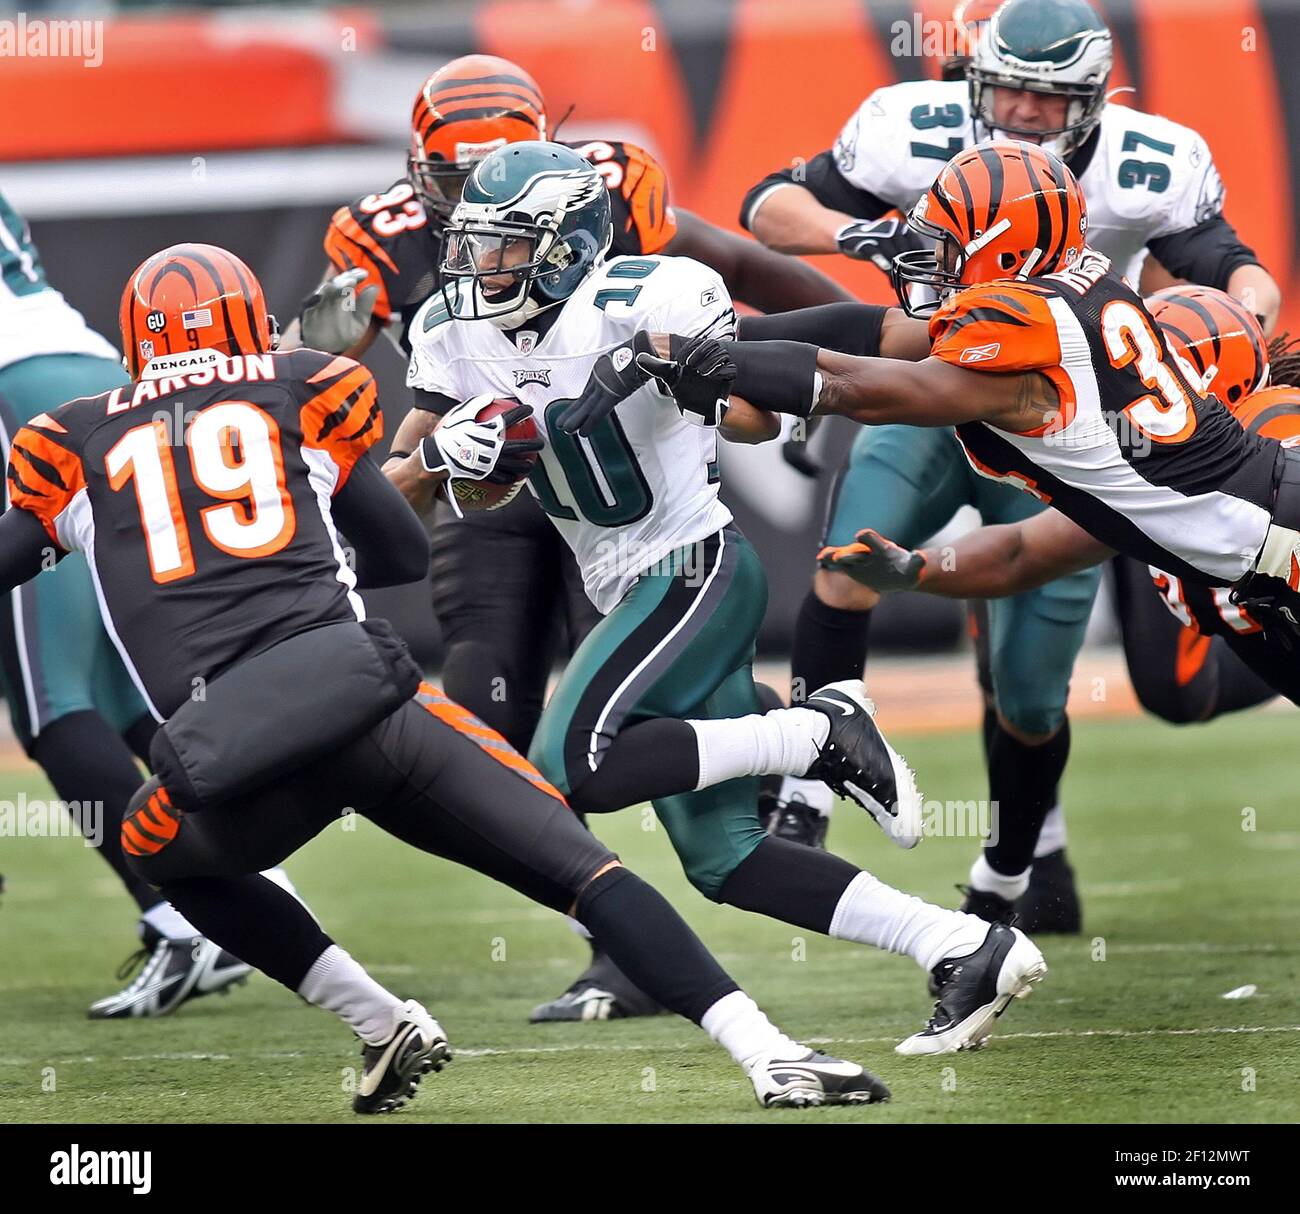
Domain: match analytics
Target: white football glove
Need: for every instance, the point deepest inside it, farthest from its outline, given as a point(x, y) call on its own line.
point(336, 315)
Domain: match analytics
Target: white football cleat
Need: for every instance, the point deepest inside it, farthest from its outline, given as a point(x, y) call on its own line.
point(975, 989)
point(806, 1079)
point(174, 972)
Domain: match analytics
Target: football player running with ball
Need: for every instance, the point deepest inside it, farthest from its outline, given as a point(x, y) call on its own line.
point(215, 543)
point(659, 701)
point(506, 590)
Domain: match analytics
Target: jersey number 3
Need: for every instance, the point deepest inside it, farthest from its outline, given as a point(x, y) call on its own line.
point(235, 458)
point(1165, 415)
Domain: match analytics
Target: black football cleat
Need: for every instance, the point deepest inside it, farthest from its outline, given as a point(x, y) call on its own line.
point(391, 1071)
point(794, 819)
point(1050, 906)
point(602, 992)
point(859, 764)
point(975, 990)
point(811, 1079)
point(175, 971)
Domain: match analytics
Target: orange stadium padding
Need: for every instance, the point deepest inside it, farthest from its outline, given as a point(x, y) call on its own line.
point(183, 83)
point(781, 78)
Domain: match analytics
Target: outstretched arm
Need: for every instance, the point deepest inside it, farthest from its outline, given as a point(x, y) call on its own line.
point(987, 563)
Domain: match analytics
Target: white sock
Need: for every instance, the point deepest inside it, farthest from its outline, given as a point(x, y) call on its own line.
point(811, 792)
point(339, 985)
point(871, 912)
point(988, 880)
point(784, 741)
point(167, 920)
point(737, 1024)
point(577, 928)
point(1052, 837)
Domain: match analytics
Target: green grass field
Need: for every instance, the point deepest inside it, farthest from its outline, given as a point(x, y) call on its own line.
point(1182, 905)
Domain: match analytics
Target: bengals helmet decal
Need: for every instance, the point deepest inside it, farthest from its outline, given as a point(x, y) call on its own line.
point(193, 297)
point(466, 110)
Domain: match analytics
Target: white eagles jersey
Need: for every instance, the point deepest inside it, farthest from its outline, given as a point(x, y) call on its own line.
point(646, 481)
point(1147, 177)
point(34, 318)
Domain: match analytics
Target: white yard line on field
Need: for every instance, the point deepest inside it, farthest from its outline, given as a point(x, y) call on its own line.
point(634, 1048)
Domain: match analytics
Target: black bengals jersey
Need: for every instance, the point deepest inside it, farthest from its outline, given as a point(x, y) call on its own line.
point(1135, 455)
point(202, 502)
point(391, 237)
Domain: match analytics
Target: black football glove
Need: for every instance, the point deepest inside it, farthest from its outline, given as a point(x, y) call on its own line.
point(613, 379)
point(878, 241)
point(698, 373)
point(876, 562)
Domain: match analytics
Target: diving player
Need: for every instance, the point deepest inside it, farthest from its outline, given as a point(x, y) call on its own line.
point(1039, 72)
point(1086, 407)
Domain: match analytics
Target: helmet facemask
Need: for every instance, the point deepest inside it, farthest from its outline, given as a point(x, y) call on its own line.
point(1083, 109)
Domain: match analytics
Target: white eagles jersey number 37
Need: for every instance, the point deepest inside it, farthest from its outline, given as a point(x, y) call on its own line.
point(646, 481)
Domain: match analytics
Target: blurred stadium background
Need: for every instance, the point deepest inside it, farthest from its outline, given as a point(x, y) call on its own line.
point(246, 125)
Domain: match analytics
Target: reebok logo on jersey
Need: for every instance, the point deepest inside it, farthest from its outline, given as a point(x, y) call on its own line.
point(981, 354)
point(541, 375)
point(708, 297)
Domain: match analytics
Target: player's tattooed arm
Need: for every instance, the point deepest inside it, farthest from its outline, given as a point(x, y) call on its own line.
point(878, 391)
point(404, 467)
point(986, 563)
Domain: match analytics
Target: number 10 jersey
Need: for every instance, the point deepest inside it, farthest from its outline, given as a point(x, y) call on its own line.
point(646, 481)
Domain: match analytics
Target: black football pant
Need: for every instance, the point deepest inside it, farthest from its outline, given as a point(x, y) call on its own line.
point(439, 779)
point(509, 599)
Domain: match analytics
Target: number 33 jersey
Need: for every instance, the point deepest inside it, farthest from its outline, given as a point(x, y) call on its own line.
point(1134, 454)
point(201, 498)
point(645, 481)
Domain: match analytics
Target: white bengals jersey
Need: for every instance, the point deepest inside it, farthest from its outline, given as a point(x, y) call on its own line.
point(646, 481)
point(1136, 455)
point(1146, 177)
point(34, 318)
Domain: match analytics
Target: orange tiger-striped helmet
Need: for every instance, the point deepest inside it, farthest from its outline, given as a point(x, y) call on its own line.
point(1216, 336)
point(193, 297)
point(1001, 209)
point(466, 110)
point(1272, 412)
point(969, 19)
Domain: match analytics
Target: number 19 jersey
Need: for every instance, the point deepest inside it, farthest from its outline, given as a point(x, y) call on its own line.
point(646, 481)
point(201, 497)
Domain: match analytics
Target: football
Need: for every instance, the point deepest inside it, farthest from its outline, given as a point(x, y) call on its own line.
point(484, 495)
